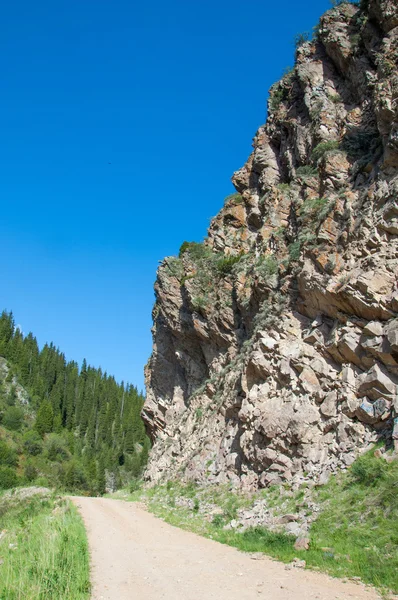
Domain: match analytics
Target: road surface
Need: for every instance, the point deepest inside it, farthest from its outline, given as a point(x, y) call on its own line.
point(136, 556)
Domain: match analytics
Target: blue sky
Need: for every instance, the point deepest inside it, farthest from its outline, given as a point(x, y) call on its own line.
point(122, 123)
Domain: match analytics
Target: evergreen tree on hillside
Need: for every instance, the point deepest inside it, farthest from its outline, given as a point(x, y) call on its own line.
point(7, 328)
point(45, 418)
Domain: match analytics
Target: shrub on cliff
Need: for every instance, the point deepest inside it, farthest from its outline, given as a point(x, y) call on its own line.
point(196, 250)
point(306, 171)
point(235, 198)
point(315, 210)
point(225, 263)
point(320, 150)
point(301, 38)
point(266, 267)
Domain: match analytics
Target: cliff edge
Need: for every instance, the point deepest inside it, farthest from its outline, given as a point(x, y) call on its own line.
point(275, 342)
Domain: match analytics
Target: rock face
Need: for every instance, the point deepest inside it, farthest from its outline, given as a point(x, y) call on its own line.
point(275, 353)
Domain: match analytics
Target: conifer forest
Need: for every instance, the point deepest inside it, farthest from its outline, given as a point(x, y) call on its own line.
point(64, 425)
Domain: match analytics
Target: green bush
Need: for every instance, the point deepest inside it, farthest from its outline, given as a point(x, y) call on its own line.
point(135, 485)
point(184, 247)
point(301, 38)
point(8, 456)
point(307, 237)
point(235, 198)
point(225, 263)
point(320, 150)
point(74, 477)
point(311, 214)
point(56, 448)
point(8, 478)
point(32, 442)
point(13, 418)
point(266, 267)
point(42, 481)
point(283, 187)
point(196, 250)
point(175, 267)
point(218, 521)
point(306, 171)
point(294, 250)
point(277, 96)
point(279, 92)
point(315, 210)
point(30, 472)
point(199, 303)
point(311, 206)
point(199, 413)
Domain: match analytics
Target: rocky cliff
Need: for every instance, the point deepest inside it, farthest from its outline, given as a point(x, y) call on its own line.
point(275, 343)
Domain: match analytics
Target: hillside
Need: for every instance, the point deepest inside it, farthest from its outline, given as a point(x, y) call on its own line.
point(61, 425)
point(275, 342)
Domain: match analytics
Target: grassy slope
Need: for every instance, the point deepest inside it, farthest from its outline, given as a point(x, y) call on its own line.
point(355, 535)
point(43, 548)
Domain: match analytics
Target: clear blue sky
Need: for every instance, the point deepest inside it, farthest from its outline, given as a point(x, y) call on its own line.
point(171, 94)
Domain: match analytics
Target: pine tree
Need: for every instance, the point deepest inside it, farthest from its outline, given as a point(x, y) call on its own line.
point(45, 418)
point(7, 327)
point(57, 423)
point(129, 442)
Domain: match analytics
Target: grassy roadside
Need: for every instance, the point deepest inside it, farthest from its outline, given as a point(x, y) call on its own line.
point(355, 534)
point(43, 548)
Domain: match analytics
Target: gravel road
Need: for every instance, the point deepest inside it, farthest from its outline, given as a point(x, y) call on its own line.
point(135, 556)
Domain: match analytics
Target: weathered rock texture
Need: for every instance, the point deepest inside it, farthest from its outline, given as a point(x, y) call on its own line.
point(276, 342)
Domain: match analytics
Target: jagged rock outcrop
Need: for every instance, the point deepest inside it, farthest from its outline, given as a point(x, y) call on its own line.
point(275, 352)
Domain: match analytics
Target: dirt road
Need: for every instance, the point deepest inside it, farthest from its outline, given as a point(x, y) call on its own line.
point(135, 556)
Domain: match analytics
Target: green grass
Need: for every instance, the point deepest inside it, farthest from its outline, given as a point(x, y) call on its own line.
point(355, 534)
point(360, 522)
point(44, 550)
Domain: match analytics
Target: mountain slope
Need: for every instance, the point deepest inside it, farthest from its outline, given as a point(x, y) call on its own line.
point(275, 353)
point(63, 425)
